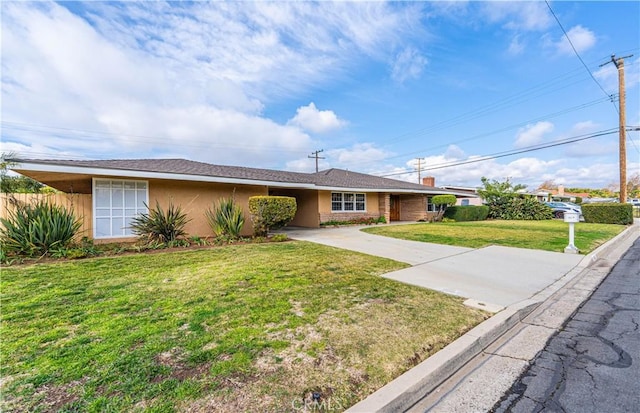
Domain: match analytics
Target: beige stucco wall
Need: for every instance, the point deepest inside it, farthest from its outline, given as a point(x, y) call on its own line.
point(307, 206)
point(196, 197)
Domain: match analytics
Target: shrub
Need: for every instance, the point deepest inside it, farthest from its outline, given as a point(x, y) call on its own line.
point(279, 238)
point(355, 221)
point(226, 218)
point(467, 213)
point(159, 226)
point(38, 228)
point(524, 208)
point(442, 202)
point(271, 212)
point(608, 213)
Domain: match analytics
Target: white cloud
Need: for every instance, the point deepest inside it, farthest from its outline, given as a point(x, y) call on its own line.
point(532, 134)
point(152, 79)
point(520, 16)
point(317, 121)
point(582, 39)
point(516, 47)
point(352, 158)
point(408, 64)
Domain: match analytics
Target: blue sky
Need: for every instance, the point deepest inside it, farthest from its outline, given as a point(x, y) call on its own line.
point(374, 85)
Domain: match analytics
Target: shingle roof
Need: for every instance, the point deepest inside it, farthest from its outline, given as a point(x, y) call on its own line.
point(334, 178)
point(348, 179)
point(184, 166)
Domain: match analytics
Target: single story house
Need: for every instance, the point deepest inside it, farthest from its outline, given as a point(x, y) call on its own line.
point(115, 191)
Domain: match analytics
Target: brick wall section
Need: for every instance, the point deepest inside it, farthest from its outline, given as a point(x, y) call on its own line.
point(413, 207)
point(384, 206)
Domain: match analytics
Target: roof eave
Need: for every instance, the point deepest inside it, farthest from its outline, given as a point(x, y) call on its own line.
point(128, 173)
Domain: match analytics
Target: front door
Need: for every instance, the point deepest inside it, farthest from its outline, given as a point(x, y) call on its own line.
point(394, 208)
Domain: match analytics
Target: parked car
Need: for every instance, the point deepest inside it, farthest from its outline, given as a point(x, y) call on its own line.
point(634, 201)
point(559, 208)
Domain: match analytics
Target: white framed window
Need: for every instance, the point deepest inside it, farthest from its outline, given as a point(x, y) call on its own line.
point(348, 202)
point(464, 202)
point(430, 206)
point(115, 203)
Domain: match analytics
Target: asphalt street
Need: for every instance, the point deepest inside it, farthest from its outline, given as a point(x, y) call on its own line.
point(593, 363)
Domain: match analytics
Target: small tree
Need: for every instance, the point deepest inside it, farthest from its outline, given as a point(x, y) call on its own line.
point(271, 212)
point(442, 202)
point(15, 184)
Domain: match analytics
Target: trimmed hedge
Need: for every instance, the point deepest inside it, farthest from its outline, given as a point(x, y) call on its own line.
point(608, 213)
point(467, 213)
point(271, 212)
point(447, 200)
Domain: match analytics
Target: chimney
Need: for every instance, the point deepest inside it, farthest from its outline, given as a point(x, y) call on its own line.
point(429, 181)
point(560, 190)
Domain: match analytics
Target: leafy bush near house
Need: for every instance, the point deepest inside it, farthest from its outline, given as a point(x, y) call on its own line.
point(467, 213)
point(37, 228)
point(522, 208)
point(160, 226)
point(271, 212)
point(279, 238)
point(442, 202)
point(356, 221)
point(226, 218)
point(608, 213)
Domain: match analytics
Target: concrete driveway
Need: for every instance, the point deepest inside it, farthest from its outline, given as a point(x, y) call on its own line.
point(490, 278)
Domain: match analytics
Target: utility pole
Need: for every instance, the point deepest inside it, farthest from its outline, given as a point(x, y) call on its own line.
point(315, 155)
point(419, 160)
point(619, 62)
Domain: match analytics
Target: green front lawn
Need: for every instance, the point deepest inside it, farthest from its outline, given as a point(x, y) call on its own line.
point(551, 235)
point(255, 327)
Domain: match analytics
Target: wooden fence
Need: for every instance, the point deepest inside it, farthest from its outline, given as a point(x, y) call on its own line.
point(80, 204)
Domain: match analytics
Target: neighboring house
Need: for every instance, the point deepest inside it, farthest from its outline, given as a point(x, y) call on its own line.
point(468, 195)
point(560, 194)
point(119, 189)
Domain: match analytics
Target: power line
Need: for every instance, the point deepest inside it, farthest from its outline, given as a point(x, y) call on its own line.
point(497, 155)
point(575, 51)
point(503, 129)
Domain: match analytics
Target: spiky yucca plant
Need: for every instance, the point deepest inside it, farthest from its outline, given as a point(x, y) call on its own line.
point(159, 225)
point(37, 228)
point(226, 218)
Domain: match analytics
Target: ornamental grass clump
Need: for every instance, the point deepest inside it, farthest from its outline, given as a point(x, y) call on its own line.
point(37, 228)
point(226, 218)
point(160, 226)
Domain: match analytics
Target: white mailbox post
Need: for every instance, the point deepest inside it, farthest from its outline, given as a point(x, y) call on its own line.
point(571, 218)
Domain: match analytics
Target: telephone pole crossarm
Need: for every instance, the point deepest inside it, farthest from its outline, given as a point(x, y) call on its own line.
point(315, 155)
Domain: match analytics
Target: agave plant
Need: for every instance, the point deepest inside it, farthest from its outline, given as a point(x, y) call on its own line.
point(36, 229)
point(160, 225)
point(226, 218)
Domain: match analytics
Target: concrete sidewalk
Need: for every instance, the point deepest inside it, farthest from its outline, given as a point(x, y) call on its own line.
point(491, 278)
point(472, 373)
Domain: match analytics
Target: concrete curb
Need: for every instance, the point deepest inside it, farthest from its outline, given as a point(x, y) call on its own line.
point(406, 390)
